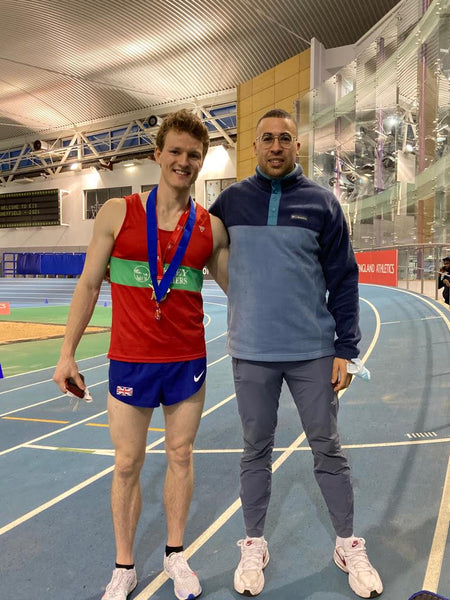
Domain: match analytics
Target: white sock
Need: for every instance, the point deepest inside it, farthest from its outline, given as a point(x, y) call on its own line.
point(348, 541)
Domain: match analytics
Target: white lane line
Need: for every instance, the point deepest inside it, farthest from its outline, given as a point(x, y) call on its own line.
point(43, 369)
point(91, 385)
point(16, 410)
point(60, 430)
point(23, 387)
point(80, 486)
point(63, 496)
point(435, 560)
point(376, 334)
point(437, 552)
point(426, 301)
point(409, 320)
point(109, 451)
point(84, 420)
point(146, 593)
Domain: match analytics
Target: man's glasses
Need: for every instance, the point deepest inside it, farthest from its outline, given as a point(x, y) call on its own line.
point(267, 140)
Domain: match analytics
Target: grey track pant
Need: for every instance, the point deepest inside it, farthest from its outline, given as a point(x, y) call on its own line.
point(258, 388)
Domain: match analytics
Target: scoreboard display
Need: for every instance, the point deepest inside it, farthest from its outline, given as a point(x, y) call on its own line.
point(30, 209)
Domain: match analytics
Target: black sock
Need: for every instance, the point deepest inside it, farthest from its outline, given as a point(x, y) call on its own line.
point(128, 567)
point(170, 549)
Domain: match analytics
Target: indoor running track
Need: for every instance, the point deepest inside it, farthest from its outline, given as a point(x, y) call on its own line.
point(55, 470)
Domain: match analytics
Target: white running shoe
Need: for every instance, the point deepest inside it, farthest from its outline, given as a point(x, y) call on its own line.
point(185, 582)
point(362, 577)
point(249, 576)
point(123, 582)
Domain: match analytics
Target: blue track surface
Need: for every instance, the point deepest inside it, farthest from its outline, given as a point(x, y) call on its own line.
point(55, 525)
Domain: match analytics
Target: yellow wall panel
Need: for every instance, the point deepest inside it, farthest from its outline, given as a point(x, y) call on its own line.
point(245, 107)
point(263, 81)
point(245, 90)
point(289, 87)
point(245, 123)
point(244, 169)
point(264, 100)
point(279, 87)
point(245, 139)
point(305, 59)
point(304, 81)
point(247, 153)
point(287, 68)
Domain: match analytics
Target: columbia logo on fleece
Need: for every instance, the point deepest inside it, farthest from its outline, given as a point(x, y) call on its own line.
point(298, 218)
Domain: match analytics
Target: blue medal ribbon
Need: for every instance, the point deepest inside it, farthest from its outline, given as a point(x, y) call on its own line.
point(160, 288)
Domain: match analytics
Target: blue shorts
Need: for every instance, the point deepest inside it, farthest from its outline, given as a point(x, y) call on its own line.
point(150, 384)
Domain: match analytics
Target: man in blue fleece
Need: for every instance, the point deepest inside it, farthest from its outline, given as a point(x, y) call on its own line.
point(293, 312)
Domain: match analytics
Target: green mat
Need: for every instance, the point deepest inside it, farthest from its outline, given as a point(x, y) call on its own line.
point(57, 315)
point(21, 357)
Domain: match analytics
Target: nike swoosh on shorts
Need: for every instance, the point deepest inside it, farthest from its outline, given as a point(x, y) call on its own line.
point(197, 377)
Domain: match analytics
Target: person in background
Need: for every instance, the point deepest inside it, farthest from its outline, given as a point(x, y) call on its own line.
point(444, 279)
point(157, 244)
point(293, 310)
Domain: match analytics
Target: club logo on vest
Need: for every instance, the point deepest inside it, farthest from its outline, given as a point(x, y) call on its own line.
point(141, 273)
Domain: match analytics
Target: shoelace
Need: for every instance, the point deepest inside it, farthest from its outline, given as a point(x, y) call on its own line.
point(358, 557)
point(115, 584)
point(252, 556)
point(181, 567)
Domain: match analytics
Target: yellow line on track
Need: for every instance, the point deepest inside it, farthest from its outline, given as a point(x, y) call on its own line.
point(36, 420)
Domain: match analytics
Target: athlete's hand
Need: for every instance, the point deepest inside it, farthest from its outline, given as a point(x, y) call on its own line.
point(340, 379)
point(66, 368)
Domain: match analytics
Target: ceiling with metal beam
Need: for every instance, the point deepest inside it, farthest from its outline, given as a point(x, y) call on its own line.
point(67, 68)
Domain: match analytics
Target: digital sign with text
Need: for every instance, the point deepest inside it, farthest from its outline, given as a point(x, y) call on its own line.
point(29, 209)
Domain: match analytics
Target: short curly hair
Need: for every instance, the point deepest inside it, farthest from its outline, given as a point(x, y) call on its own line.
point(183, 121)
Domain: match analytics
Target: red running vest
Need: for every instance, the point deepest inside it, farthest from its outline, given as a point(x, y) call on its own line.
point(136, 336)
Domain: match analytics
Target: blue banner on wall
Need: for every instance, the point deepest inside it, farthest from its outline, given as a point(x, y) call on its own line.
point(50, 263)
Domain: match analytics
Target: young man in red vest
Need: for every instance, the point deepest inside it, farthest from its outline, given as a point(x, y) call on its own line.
point(156, 245)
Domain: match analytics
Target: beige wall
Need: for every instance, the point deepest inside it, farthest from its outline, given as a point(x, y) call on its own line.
point(279, 87)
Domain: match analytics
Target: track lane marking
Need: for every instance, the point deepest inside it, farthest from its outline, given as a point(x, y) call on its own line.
point(35, 420)
point(92, 479)
point(110, 451)
point(160, 579)
point(436, 557)
point(23, 444)
point(91, 385)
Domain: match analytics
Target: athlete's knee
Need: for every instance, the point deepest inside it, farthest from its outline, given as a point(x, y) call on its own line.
point(128, 465)
point(179, 455)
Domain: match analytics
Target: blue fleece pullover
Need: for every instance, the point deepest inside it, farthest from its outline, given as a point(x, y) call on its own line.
point(293, 277)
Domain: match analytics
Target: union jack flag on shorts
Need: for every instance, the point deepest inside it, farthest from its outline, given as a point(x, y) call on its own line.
point(121, 390)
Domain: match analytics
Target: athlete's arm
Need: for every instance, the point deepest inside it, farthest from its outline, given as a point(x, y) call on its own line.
point(218, 263)
point(106, 227)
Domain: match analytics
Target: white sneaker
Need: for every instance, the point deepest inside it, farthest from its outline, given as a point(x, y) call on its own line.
point(249, 576)
point(362, 577)
point(185, 582)
point(123, 582)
